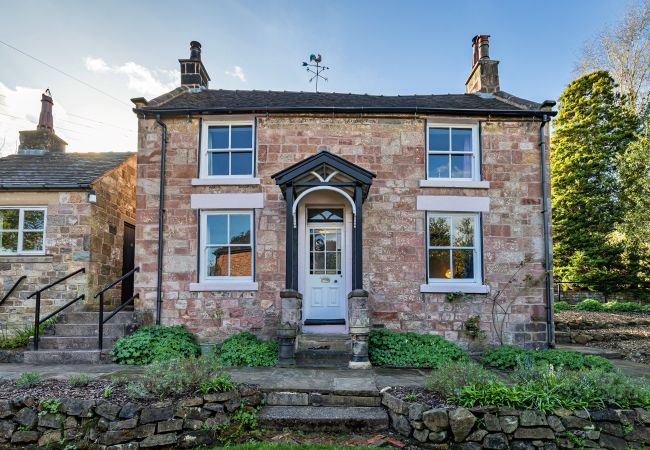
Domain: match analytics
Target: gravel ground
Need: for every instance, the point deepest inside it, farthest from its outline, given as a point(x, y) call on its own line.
point(423, 396)
point(46, 389)
point(626, 333)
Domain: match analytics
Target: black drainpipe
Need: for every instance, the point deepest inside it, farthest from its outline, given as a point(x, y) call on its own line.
point(547, 239)
point(161, 217)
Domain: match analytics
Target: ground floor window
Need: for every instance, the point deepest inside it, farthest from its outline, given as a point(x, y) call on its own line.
point(453, 245)
point(22, 230)
point(227, 245)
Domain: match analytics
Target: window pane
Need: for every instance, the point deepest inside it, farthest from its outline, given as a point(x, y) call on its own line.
point(218, 137)
point(33, 241)
point(241, 261)
point(439, 139)
point(463, 263)
point(325, 214)
point(439, 264)
point(218, 261)
point(461, 166)
point(319, 262)
point(438, 166)
point(318, 244)
point(463, 231)
point(333, 242)
point(217, 229)
point(33, 220)
point(9, 242)
point(240, 229)
point(218, 164)
point(240, 163)
point(439, 232)
point(241, 136)
point(461, 139)
point(332, 263)
point(8, 219)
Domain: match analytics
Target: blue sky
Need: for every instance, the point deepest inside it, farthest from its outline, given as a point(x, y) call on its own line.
point(130, 49)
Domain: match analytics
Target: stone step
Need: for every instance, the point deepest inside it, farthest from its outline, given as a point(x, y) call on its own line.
point(73, 342)
point(322, 399)
point(595, 351)
point(323, 418)
point(562, 337)
point(63, 357)
point(319, 359)
point(330, 342)
point(74, 329)
point(92, 317)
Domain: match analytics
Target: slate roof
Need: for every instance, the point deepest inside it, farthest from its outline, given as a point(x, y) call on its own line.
point(216, 100)
point(58, 171)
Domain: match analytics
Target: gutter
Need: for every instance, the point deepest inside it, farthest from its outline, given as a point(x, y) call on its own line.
point(346, 109)
point(548, 285)
point(161, 217)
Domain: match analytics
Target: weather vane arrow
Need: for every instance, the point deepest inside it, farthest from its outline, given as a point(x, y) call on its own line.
point(314, 67)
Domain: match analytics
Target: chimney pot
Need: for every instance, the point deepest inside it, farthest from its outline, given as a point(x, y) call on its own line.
point(193, 73)
point(45, 119)
point(42, 140)
point(195, 50)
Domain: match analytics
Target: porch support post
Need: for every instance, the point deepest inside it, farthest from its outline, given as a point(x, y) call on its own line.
point(357, 264)
point(359, 328)
point(290, 261)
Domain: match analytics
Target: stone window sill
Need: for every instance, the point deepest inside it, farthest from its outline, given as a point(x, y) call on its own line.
point(466, 288)
point(217, 286)
point(25, 258)
point(225, 181)
point(454, 184)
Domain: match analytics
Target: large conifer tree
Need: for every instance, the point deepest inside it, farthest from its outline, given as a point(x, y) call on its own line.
point(591, 131)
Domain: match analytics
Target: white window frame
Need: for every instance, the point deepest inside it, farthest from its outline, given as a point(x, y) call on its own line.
point(203, 260)
point(476, 176)
point(205, 151)
point(478, 266)
point(21, 230)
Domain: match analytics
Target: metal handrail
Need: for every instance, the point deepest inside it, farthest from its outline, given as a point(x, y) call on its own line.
point(13, 288)
point(37, 312)
point(100, 294)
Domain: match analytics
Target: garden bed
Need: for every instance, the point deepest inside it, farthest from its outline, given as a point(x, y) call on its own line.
point(626, 333)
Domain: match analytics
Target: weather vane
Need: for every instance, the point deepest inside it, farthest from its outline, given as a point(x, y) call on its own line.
point(316, 69)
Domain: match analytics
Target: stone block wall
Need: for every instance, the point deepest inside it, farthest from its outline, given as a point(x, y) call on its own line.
point(393, 147)
point(509, 428)
point(115, 205)
point(67, 248)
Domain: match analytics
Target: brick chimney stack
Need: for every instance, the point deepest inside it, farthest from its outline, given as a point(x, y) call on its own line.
point(484, 76)
point(43, 139)
point(193, 73)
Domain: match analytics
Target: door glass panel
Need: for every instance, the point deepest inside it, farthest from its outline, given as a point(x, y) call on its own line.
point(325, 215)
point(319, 262)
point(325, 251)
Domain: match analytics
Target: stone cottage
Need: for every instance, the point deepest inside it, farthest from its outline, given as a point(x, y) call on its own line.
point(326, 214)
point(60, 212)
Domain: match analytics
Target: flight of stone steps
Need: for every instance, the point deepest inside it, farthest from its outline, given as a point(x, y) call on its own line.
point(75, 338)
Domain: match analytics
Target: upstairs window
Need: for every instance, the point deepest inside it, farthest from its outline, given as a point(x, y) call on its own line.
point(452, 152)
point(228, 149)
point(227, 245)
point(22, 231)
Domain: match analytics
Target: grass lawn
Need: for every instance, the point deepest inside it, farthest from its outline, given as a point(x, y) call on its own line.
point(273, 446)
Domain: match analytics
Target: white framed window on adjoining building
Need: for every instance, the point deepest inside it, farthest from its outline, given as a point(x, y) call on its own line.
point(227, 242)
point(228, 150)
point(22, 230)
point(452, 152)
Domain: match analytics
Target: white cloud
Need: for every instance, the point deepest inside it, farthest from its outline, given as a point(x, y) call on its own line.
point(141, 80)
point(237, 72)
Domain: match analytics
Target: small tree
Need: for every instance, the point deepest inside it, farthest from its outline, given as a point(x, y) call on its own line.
point(592, 129)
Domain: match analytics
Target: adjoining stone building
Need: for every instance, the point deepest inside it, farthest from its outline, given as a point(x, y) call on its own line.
point(327, 213)
point(60, 212)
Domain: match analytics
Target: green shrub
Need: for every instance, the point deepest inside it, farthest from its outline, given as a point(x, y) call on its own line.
point(510, 357)
point(177, 376)
point(589, 304)
point(452, 376)
point(615, 306)
point(79, 380)
point(388, 348)
point(547, 388)
point(20, 337)
point(220, 383)
point(244, 349)
point(28, 379)
point(562, 306)
point(49, 406)
point(155, 343)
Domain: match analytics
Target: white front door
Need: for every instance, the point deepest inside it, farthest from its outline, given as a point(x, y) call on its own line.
point(325, 278)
